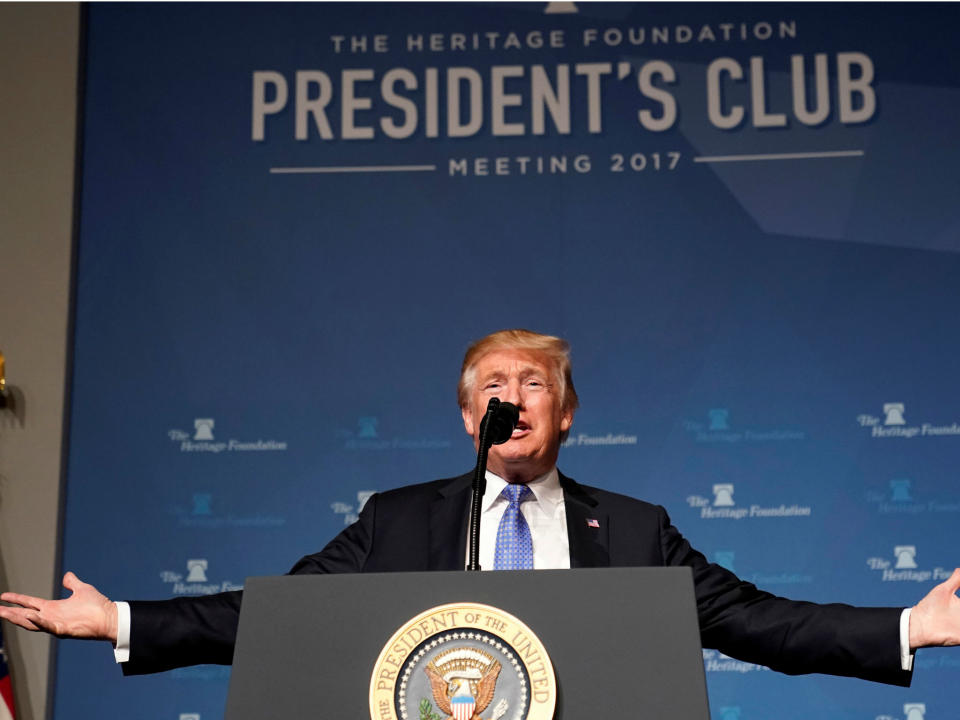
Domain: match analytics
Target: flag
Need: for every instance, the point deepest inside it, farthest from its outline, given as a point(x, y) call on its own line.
point(6, 690)
point(593, 523)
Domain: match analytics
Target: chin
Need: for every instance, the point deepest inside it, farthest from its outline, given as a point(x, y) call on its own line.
point(520, 458)
point(512, 457)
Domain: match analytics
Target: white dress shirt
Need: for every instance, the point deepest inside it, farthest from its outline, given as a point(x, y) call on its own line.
point(545, 513)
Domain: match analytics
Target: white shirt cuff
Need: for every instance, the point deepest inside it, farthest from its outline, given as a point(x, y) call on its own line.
point(121, 652)
point(906, 655)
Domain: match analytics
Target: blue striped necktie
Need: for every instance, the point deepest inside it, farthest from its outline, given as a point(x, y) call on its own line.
point(514, 544)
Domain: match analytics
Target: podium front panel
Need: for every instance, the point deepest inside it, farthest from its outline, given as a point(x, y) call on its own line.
point(623, 641)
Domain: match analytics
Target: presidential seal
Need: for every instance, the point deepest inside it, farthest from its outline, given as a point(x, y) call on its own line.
point(463, 661)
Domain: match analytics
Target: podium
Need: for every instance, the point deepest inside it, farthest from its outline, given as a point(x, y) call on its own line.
point(623, 642)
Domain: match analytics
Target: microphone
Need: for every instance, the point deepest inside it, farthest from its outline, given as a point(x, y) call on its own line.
point(495, 428)
point(498, 424)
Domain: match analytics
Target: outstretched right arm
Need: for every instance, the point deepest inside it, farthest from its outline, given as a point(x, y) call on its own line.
point(170, 633)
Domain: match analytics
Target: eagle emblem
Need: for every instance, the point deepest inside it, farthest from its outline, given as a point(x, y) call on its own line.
point(442, 665)
point(463, 681)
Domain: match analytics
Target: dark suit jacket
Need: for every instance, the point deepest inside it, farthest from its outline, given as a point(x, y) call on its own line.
point(423, 527)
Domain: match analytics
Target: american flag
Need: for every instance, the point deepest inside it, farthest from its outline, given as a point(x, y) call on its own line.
point(593, 522)
point(6, 690)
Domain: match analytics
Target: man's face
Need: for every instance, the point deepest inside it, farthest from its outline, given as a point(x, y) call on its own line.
point(529, 381)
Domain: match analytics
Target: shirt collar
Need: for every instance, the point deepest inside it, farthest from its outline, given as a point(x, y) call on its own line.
point(546, 489)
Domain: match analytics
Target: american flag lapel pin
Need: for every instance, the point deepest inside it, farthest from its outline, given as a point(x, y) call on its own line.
point(593, 523)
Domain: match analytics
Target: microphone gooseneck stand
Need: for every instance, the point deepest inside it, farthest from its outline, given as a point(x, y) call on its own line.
point(496, 428)
point(480, 485)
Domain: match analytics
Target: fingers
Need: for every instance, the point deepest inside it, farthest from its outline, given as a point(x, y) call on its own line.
point(952, 583)
point(26, 601)
point(20, 617)
point(71, 581)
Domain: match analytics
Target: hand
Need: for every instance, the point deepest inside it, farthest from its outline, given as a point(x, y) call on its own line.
point(935, 620)
point(86, 614)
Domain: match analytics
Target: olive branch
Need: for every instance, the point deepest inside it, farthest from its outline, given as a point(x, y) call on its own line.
point(426, 711)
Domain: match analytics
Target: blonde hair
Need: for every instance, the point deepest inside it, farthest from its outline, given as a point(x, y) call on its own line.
point(557, 350)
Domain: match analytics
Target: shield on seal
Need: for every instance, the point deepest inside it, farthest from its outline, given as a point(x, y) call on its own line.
point(462, 706)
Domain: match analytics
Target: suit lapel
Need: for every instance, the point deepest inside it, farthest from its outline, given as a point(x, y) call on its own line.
point(588, 527)
point(449, 516)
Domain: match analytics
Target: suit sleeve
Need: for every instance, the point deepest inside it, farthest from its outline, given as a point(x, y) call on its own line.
point(167, 634)
point(789, 636)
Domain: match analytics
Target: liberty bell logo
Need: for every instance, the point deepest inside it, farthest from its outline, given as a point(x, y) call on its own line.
point(367, 427)
point(201, 503)
point(197, 570)
point(900, 490)
point(718, 419)
point(914, 711)
point(906, 557)
point(204, 429)
point(723, 495)
point(894, 414)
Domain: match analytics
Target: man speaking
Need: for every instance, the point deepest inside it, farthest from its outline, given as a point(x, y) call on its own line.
point(532, 516)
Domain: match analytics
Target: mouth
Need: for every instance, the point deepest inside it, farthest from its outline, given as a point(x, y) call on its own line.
point(520, 430)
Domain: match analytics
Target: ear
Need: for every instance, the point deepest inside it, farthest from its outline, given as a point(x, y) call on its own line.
point(468, 424)
point(566, 420)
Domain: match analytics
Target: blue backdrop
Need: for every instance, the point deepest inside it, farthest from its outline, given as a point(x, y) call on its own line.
point(294, 218)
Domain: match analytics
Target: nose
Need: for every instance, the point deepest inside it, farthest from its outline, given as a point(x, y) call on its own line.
point(512, 393)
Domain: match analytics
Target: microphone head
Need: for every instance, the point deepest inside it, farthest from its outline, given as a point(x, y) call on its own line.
point(502, 422)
